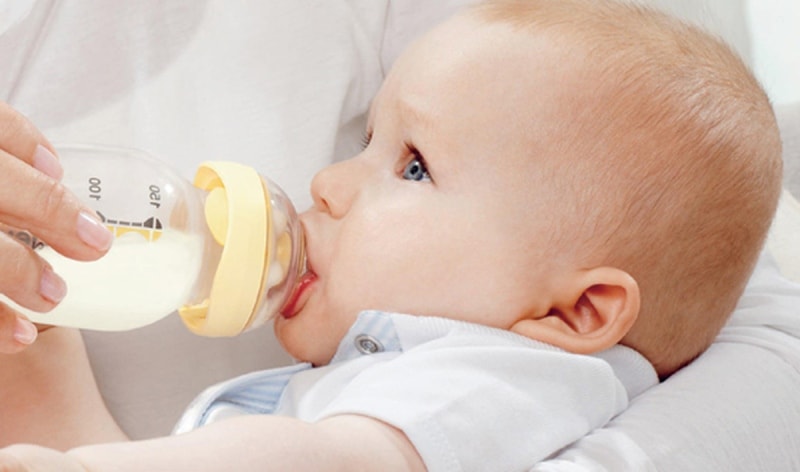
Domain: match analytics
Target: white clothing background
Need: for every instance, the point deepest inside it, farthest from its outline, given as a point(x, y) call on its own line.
point(764, 32)
point(775, 37)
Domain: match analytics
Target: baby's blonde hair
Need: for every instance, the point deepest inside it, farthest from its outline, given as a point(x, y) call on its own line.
point(680, 144)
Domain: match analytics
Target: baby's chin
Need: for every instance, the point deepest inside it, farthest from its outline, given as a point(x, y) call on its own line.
point(302, 352)
point(301, 345)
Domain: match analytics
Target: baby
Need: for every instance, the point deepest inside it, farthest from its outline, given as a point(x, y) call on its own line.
point(560, 202)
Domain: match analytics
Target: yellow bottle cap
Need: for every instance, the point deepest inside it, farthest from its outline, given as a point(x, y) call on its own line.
point(237, 212)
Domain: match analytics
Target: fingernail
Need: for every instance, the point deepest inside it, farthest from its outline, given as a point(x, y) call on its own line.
point(92, 231)
point(25, 332)
point(46, 162)
point(51, 286)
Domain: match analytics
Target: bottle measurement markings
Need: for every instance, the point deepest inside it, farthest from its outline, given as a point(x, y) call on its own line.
point(150, 228)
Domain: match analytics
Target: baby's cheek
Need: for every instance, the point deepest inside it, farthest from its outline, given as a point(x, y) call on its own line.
point(378, 257)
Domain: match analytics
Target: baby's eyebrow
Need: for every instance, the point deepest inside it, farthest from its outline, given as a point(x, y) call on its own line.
point(407, 108)
point(415, 111)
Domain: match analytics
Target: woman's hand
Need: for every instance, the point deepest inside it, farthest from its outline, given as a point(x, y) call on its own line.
point(35, 207)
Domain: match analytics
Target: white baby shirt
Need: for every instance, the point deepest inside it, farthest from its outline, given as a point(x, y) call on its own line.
point(467, 396)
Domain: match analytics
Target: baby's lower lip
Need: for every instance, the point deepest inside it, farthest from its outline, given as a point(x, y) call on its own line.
point(296, 300)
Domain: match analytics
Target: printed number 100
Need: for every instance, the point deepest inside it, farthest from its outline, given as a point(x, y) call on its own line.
point(94, 188)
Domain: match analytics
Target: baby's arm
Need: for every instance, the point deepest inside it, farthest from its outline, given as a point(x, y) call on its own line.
point(48, 395)
point(259, 442)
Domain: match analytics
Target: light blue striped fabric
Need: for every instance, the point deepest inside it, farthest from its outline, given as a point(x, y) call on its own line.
point(258, 392)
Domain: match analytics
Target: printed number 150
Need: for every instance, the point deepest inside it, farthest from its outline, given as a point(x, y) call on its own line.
point(155, 196)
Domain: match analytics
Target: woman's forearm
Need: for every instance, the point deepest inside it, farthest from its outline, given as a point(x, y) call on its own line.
point(49, 397)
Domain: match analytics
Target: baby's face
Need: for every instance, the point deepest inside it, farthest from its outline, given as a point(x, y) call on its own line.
point(447, 212)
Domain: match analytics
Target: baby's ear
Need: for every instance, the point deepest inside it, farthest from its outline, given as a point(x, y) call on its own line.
point(591, 312)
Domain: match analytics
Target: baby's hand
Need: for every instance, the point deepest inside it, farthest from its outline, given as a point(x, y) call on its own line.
point(28, 458)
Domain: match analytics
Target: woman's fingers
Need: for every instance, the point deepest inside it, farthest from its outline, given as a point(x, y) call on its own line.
point(27, 279)
point(48, 210)
point(16, 332)
point(18, 137)
point(36, 210)
point(31, 197)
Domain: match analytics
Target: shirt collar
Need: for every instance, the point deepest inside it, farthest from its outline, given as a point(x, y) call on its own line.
point(376, 332)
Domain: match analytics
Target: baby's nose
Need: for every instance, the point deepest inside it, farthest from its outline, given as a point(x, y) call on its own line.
point(335, 187)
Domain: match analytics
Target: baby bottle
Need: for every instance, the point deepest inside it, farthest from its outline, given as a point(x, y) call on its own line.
point(224, 252)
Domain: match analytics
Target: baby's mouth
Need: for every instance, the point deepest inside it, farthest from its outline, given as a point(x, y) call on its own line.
point(299, 296)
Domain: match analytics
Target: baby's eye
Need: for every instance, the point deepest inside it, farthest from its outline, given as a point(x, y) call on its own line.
point(416, 169)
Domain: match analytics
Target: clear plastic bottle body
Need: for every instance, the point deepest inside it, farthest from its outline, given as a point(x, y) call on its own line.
point(164, 256)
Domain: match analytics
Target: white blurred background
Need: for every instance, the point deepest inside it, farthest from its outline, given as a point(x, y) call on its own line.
point(775, 28)
point(765, 32)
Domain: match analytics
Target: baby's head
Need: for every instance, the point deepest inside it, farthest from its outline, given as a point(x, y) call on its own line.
point(580, 172)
